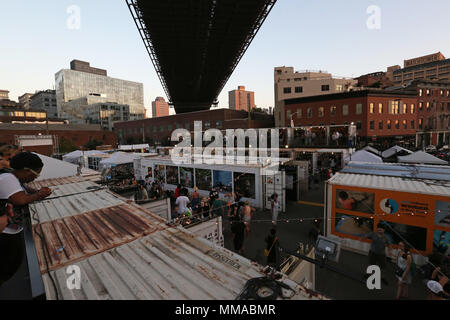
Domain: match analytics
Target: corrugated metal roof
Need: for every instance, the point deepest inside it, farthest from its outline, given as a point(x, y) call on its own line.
point(391, 183)
point(75, 237)
point(56, 182)
point(166, 265)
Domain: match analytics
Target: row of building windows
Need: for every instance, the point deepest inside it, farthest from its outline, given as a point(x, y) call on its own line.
point(430, 92)
point(428, 106)
point(170, 128)
point(324, 88)
point(39, 115)
point(393, 124)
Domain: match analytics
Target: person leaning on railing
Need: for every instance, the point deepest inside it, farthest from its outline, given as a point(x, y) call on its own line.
point(25, 167)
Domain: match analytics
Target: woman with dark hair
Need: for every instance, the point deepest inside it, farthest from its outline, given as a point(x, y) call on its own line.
point(403, 270)
point(6, 153)
point(26, 167)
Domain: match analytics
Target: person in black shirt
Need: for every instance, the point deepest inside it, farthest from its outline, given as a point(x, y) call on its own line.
point(213, 195)
point(238, 231)
point(272, 244)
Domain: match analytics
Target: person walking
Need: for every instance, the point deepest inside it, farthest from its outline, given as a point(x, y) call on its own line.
point(271, 251)
point(247, 216)
point(275, 209)
point(195, 200)
point(403, 270)
point(377, 252)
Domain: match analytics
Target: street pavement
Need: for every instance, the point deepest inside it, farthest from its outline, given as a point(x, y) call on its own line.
point(328, 283)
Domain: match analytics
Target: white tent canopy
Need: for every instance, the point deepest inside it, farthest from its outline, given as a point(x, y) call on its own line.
point(393, 151)
point(421, 157)
point(134, 147)
point(364, 156)
point(54, 168)
point(74, 156)
point(372, 149)
point(117, 158)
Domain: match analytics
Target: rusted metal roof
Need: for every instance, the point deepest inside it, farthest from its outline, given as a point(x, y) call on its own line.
point(57, 181)
point(172, 264)
point(71, 238)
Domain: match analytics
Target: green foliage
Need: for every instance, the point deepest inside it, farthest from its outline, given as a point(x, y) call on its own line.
point(66, 146)
point(93, 144)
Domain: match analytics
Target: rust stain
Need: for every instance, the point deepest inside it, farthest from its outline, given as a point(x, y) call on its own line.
point(74, 238)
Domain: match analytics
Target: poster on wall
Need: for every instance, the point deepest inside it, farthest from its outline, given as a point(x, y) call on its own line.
point(244, 184)
point(187, 177)
point(442, 214)
point(396, 232)
point(160, 173)
point(353, 225)
point(441, 241)
point(203, 179)
point(172, 175)
point(359, 201)
point(223, 181)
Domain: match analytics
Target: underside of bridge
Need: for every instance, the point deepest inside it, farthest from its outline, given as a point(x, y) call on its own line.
point(195, 45)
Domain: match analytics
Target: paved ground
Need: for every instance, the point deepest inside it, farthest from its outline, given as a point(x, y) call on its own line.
point(329, 283)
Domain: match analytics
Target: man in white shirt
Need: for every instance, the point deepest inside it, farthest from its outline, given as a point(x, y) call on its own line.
point(182, 203)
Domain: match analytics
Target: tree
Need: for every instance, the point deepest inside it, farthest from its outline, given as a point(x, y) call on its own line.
point(93, 144)
point(66, 146)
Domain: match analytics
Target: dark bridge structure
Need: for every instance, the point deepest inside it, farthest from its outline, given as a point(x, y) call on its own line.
point(195, 45)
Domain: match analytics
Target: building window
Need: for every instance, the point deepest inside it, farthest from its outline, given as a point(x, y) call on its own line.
point(420, 123)
point(442, 93)
point(155, 129)
point(442, 106)
point(358, 125)
point(310, 112)
point(188, 126)
point(420, 92)
point(405, 126)
point(380, 125)
point(345, 109)
point(389, 124)
point(298, 89)
point(161, 128)
point(326, 87)
point(395, 107)
point(169, 127)
point(299, 113)
point(428, 92)
point(333, 110)
point(288, 115)
point(371, 108)
point(405, 108)
point(339, 87)
point(380, 108)
point(207, 124)
point(219, 124)
point(420, 106)
point(397, 124)
point(287, 90)
point(321, 111)
point(372, 125)
point(428, 106)
point(359, 108)
point(412, 124)
point(413, 108)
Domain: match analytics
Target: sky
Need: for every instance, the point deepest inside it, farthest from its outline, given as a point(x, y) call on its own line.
point(38, 39)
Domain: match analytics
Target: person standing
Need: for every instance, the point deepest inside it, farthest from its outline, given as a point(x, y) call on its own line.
point(377, 252)
point(182, 203)
point(26, 167)
point(195, 200)
point(247, 216)
point(272, 244)
point(403, 270)
point(238, 233)
point(275, 209)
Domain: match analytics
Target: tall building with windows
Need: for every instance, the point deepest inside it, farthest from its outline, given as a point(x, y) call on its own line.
point(4, 95)
point(160, 108)
point(241, 99)
point(82, 80)
point(290, 84)
point(106, 114)
point(431, 67)
point(25, 100)
point(45, 100)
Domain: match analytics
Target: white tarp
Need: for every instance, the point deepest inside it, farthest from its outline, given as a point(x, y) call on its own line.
point(74, 156)
point(373, 150)
point(364, 156)
point(421, 157)
point(54, 168)
point(393, 151)
point(117, 158)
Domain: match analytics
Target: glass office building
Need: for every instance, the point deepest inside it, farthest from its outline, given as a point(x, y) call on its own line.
point(72, 85)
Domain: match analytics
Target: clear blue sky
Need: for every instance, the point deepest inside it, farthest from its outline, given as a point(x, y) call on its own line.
point(306, 34)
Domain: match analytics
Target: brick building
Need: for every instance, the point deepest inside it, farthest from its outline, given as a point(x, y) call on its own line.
point(159, 130)
point(72, 135)
point(376, 79)
point(10, 115)
point(241, 99)
point(380, 116)
point(160, 108)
